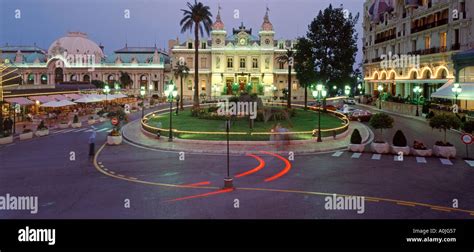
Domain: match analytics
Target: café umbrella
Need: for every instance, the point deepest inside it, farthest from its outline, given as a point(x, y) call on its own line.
point(58, 104)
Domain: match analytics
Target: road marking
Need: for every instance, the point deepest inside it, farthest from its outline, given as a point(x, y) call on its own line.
point(67, 131)
point(356, 155)
point(104, 129)
point(445, 161)
point(421, 160)
point(132, 178)
point(112, 172)
point(120, 175)
point(470, 163)
point(203, 195)
point(397, 158)
point(337, 153)
point(110, 130)
point(79, 130)
point(59, 131)
point(373, 200)
point(376, 157)
point(405, 204)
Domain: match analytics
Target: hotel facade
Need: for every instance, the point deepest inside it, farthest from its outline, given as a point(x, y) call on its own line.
point(238, 58)
point(410, 43)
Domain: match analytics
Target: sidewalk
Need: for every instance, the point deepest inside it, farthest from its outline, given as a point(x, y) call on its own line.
point(133, 133)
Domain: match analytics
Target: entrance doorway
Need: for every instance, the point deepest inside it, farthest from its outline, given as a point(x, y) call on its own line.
point(58, 75)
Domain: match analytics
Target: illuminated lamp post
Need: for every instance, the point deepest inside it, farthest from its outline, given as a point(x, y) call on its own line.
point(417, 91)
point(457, 91)
point(380, 89)
point(318, 94)
point(171, 93)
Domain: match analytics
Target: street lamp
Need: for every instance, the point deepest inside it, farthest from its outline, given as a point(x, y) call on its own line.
point(347, 90)
point(318, 94)
point(457, 91)
point(106, 91)
point(359, 87)
point(142, 93)
point(171, 93)
point(274, 90)
point(380, 89)
point(417, 91)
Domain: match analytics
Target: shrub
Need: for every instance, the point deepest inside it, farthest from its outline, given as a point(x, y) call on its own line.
point(41, 126)
point(399, 139)
point(75, 119)
point(260, 89)
point(430, 115)
point(419, 145)
point(114, 132)
point(212, 109)
point(356, 137)
point(468, 126)
point(381, 121)
point(445, 122)
point(26, 131)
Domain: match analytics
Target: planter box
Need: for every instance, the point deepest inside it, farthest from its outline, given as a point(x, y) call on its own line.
point(422, 153)
point(25, 136)
point(405, 150)
point(356, 147)
point(114, 140)
point(76, 125)
point(40, 133)
point(6, 140)
point(64, 125)
point(90, 122)
point(380, 148)
point(444, 151)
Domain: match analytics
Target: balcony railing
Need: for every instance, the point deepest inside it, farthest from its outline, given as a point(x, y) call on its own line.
point(384, 39)
point(429, 25)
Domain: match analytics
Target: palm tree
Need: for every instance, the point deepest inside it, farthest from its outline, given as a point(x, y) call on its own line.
point(181, 71)
point(125, 80)
point(287, 58)
point(198, 18)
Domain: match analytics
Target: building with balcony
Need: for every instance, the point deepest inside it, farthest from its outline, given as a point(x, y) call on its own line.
point(410, 43)
point(239, 57)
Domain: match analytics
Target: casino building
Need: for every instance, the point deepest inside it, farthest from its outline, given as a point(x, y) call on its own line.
point(76, 59)
point(436, 34)
point(240, 57)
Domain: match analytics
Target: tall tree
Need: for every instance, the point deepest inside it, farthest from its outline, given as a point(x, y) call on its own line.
point(304, 66)
point(196, 18)
point(125, 79)
point(334, 41)
point(287, 58)
point(181, 71)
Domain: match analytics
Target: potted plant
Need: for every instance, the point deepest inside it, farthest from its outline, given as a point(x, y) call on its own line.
point(42, 130)
point(419, 149)
point(444, 122)
point(63, 124)
point(356, 142)
point(91, 120)
point(380, 122)
point(114, 137)
point(26, 134)
point(399, 144)
point(6, 138)
point(75, 122)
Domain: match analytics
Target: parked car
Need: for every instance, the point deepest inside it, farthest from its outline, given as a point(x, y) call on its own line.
point(360, 115)
point(350, 101)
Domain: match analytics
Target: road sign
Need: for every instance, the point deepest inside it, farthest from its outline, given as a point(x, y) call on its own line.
point(114, 121)
point(467, 138)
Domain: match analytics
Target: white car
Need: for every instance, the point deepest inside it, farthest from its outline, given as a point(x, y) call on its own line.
point(350, 101)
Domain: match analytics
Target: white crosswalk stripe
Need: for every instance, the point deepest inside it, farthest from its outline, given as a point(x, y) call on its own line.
point(59, 131)
point(104, 129)
point(376, 156)
point(80, 130)
point(337, 153)
point(470, 163)
point(421, 160)
point(445, 161)
point(108, 131)
point(67, 131)
point(356, 155)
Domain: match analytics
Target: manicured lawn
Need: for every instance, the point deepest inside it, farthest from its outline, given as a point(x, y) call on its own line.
point(303, 121)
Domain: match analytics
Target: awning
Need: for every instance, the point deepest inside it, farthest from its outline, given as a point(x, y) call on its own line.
point(422, 81)
point(88, 99)
point(57, 104)
point(41, 98)
point(445, 91)
point(73, 96)
point(58, 97)
point(19, 100)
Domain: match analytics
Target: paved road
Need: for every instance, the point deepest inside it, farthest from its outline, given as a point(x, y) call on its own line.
point(160, 185)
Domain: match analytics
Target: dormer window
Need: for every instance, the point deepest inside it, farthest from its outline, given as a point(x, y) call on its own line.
point(203, 45)
point(280, 45)
point(190, 45)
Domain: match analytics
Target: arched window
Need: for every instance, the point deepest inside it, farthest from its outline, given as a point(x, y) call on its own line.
point(31, 79)
point(44, 79)
point(73, 77)
point(86, 78)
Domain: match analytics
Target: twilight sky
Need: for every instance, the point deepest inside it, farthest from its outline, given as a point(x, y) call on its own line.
point(151, 21)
